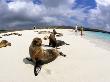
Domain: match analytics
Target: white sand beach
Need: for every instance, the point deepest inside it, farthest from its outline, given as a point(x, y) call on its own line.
point(85, 62)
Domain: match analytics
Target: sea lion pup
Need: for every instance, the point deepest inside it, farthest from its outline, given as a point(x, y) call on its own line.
point(40, 56)
point(4, 43)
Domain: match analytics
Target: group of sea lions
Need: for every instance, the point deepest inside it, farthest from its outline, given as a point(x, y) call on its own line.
point(8, 34)
point(40, 56)
point(5, 43)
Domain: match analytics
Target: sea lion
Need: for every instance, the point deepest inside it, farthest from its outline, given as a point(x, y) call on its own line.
point(52, 40)
point(40, 56)
point(55, 43)
point(4, 43)
point(12, 34)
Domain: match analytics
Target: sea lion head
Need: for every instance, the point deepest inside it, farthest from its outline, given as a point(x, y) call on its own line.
point(37, 41)
point(5, 42)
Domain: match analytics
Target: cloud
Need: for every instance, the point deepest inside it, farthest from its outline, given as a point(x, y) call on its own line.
point(19, 11)
point(100, 16)
point(54, 12)
point(103, 2)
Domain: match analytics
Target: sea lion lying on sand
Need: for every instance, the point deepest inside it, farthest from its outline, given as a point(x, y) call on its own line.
point(4, 43)
point(44, 32)
point(55, 43)
point(5, 35)
point(40, 56)
point(16, 34)
point(12, 34)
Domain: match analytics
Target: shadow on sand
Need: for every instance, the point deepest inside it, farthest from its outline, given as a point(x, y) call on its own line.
point(47, 46)
point(48, 71)
point(28, 62)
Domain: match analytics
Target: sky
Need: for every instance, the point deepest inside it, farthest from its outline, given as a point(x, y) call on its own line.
point(89, 13)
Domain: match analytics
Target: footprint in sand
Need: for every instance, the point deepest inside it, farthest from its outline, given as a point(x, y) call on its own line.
point(48, 71)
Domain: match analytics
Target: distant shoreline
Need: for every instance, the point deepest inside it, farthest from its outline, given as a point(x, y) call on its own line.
point(85, 29)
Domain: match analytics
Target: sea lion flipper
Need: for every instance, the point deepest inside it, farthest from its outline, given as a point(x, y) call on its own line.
point(29, 59)
point(67, 44)
point(37, 67)
point(36, 72)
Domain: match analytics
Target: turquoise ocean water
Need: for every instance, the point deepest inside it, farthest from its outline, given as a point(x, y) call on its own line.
point(99, 35)
point(99, 38)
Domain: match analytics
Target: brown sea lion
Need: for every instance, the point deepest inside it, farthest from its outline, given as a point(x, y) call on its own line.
point(52, 40)
point(12, 34)
point(40, 56)
point(55, 43)
point(4, 43)
point(17, 34)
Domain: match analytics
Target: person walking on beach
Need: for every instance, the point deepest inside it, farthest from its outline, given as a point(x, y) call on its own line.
point(76, 28)
point(34, 27)
point(81, 30)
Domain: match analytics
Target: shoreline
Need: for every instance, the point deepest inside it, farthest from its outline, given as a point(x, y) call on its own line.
point(59, 27)
point(99, 42)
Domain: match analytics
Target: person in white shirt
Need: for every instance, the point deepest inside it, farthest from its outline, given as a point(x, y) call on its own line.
point(76, 28)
